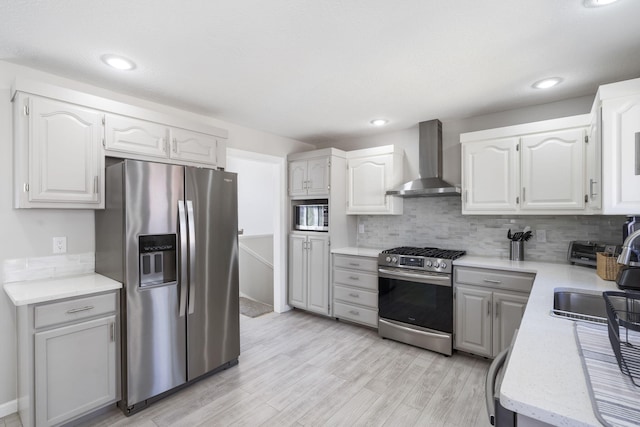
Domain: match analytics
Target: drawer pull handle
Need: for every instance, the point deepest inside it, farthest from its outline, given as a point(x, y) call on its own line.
point(354, 312)
point(77, 310)
point(492, 281)
point(354, 295)
point(354, 278)
point(354, 264)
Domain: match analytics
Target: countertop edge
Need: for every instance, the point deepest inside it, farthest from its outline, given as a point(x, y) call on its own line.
point(46, 290)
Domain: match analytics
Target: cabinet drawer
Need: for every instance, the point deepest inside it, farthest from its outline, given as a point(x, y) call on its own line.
point(356, 262)
point(356, 296)
point(357, 314)
point(75, 309)
point(494, 278)
point(356, 278)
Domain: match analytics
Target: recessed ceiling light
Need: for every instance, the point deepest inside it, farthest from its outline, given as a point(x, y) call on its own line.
point(547, 83)
point(118, 62)
point(597, 3)
point(379, 122)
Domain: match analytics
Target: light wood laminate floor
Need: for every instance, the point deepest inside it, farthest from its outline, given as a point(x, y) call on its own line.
point(298, 369)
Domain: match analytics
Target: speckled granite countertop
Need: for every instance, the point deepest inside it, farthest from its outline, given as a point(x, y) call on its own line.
point(351, 250)
point(544, 379)
point(35, 291)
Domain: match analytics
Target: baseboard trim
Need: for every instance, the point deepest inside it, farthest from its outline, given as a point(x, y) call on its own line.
point(8, 408)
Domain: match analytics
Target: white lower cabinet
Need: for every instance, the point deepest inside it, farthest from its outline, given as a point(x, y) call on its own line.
point(309, 272)
point(355, 289)
point(75, 370)
point(68, 357)
point(489, 305)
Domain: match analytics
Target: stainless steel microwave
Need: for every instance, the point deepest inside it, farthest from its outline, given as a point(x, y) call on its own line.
point(311, 217)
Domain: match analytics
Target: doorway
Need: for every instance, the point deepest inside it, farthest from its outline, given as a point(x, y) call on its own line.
point(261, 220)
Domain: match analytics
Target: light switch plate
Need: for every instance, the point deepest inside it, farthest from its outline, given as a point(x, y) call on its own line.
point(360, 228)
point(59, 245)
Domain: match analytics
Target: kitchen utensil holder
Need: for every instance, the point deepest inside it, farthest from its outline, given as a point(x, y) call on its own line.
point(623, 317)
point(607, 266)
point(516, 250)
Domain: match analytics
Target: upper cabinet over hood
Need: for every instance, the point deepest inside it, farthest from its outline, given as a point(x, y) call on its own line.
point(429, 182)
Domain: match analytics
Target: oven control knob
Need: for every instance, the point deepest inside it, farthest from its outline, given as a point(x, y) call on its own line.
point(443, 265)
point(436, 265)
point(428, 263)
point(394, 259)
point(388, 259)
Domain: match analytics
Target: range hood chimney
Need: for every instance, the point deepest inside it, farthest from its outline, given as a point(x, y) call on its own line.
point(430, 182)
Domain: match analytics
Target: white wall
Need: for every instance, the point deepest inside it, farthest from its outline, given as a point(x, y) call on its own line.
point(256, 194)
point(28, 233)
point(452, 128)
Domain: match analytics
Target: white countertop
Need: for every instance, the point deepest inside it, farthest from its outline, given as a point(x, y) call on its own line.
point(352, 250)
point(544, 379)
point(34, 291)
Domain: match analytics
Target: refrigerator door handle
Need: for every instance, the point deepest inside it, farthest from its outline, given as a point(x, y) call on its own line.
point(182, 233)
point(192, 256)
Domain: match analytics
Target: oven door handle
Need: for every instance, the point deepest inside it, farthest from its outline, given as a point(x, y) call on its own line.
point(421, 278)
point(490, 383)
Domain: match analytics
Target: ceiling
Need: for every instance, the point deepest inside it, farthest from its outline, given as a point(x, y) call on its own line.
point(320, 70)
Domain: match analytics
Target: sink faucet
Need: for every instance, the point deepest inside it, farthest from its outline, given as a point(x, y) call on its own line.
point(625, 255)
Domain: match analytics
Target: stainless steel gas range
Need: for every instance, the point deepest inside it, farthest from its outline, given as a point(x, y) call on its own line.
point(415, 296)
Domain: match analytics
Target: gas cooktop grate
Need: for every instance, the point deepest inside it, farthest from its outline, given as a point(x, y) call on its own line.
point(425, 252)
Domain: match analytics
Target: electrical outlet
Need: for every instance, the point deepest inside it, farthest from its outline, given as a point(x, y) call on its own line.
point(360, 228)
point(59, 245)
point(541, 236)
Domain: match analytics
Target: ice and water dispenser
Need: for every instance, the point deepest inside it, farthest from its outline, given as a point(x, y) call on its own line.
point(157, 254)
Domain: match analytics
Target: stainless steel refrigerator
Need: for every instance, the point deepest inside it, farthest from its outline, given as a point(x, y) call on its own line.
point(169, 234)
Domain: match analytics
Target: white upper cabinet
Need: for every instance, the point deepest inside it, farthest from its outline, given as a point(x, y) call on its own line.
point(193, 146)
point(370, 173)
point(535, 168)
point(59, 154)
point(61, 138)
point(309, 177)
point(593, 164)
point(490, 177)
point(553, 170)
point(620, 147)
point(129, 135)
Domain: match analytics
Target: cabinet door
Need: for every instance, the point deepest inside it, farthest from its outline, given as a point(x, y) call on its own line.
point(75, 370)
point(593, 176)
point(621, 155)
point(368, 179)
point(508, 311)
point(65, 154)
point(128, 135)
point(318, 274)
point(298, 178)
point(490, 176)
point(193, 146)
point(298, 271)
point(318, 176)
point(473, 320)
point(553, 170)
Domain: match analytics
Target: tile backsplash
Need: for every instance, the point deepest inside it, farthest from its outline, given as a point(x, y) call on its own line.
point(21, 269)
point(438, 222)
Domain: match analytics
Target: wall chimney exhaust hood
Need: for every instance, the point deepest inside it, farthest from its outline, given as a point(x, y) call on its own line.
point(430, 182)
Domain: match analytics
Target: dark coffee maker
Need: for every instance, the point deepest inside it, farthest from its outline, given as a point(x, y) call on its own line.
point(629, 275)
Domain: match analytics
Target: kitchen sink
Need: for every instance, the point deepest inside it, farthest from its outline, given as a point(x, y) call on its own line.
point(577, 305)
